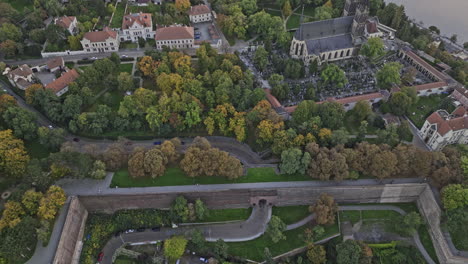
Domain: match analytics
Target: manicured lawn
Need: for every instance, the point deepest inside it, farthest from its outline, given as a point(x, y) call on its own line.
point(126, 67)
point(254, 249)
point(118, 15)
point(293, 21)
point(175, 176)
point(351, 216)
point(128, 45)
point(425, 107)
point(113, 101)
point(20, 4)
point(124, 260)
point(228, 215)
point(291, 214)
point(308, 11)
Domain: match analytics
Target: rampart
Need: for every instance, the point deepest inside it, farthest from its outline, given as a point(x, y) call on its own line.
point(70, 242)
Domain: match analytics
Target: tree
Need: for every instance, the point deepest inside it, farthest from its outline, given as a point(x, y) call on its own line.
point(383, 165)
point(99, 170)
point(11, 215)
point(18, 242)
point(125, 81)
point(220, 249)
point(454, 196)
point(52, 201)
point(21, 121)
point(331, 114)
point(333, 75)
point(287, 9)
point(9, 47)
point(292, 161)
point(340, 137)
point(136, 163)
point(13, 155)
point(115, 157)
point(198, 241)
point(348, 252)
point(389, 75)
point(409, 224)
point(465, 45)
point(409, 75)
point(268, 257)
point(325, 209)
point(373, 48)
point(9, 31)
point(316, 254)
point(179, 209)
point(6, 101)
point(30, 201)
point(174, 247)
point(404, 131)
point(248, 6)
point(182, 5)
point(361, 110)
point(75, 42)
point(434, 29)
point(454, 38)
point(55, 33)
point(155, 163)
point(200, 209)
point(275, 229)
point(400, 103)
point(51, 138)
point(261, 58)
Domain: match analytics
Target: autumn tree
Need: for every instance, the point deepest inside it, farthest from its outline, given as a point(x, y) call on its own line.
point(325, 209)
point(348, 252)
point(169, 149)
point(182, 5)
point(115, 156)
point(6, 101)
point(383, 165)
point(30, 201)
point(326, 164)
point(155, 162)
point(11, 215)
point(51, 203)
point(287, 9)
point(174, 247)
point(13, 155)
point(316, 254)
point(136, 163)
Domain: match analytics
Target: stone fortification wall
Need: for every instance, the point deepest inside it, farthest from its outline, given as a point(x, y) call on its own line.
point(431, 212)
point(392, 193)
point(69, 246)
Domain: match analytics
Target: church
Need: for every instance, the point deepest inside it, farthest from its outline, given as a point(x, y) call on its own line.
point(337, 38)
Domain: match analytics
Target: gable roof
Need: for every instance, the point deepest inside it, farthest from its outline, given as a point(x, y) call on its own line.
point(143, 19)
point(63, 81)
point(175, 32)
point(199, 10)
point(324, 28)
point(371, 27)
point(55, 62)
point(22, 70)
point(454, 124)
point(426, 65)
point(65, 21)
point(427, 86)
point(100, 36)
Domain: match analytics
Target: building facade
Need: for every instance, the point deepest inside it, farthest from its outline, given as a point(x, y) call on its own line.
point(60, 85)
point(178, 37)
point(200, 13)
point(134, 26)
point(69, 23)
point(100, 41)
point(21, 77)
point(441, 128)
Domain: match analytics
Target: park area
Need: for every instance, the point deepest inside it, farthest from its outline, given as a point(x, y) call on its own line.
point(427, 105)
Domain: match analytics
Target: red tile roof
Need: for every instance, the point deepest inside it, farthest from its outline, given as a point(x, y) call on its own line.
point(100, 36)
point(460, 111)
point(273, 101)
point(63, 81)
point(426, 65)
point(65, 21)
point(55, 62)
point(199, 10)
point(427, 86)
point(173, 33)
point(143, 19)
point(357, 98)
point(444, 126)
point(372, 27)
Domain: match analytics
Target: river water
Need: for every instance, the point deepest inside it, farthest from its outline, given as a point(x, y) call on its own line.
point(450, 16)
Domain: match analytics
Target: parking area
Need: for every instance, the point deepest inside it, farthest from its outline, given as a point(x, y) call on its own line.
point(45, 77)
point(206, 32)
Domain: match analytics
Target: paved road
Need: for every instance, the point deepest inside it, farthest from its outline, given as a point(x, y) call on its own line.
point(230, 232)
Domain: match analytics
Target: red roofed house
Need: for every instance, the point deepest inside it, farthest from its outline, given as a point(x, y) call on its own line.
point(199, 13)
point(55, 64)
point(21, 77)
point(68, 22)
point(134, 26)
point(442, 128)
point(371, 29)
point(179, 37)
point(100, 41)
point(460, 94)
point(60, 85)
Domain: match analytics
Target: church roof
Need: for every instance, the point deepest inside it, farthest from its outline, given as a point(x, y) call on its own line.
point(316, 46)
point(324, 28)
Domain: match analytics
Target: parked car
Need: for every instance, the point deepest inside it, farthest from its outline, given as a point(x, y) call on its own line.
point(130, 231)
point(156, 229)
point(76, 139)
point(100, 256)
point(85, 58)
point(141, 229)
point(124, 56)
point(50, 127)
point(157, 143)
point(94, 58)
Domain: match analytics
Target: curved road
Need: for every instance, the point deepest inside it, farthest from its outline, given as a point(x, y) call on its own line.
point(246, 230)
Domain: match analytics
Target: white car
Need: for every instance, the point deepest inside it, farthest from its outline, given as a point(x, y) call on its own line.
point(124, 56)
point(50, 127)
point(130, 231)
point(94, 58)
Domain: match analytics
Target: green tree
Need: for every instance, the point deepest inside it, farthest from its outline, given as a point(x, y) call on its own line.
point(200, 209)
point(268, 257)
point(348, 252)
point(220, 249)
point(248, 6)
point(361, 110)
point(409, 224)
point(11, 32)
point(331, 114)
point(340, 137)
point(51, 138)
point(316, 254)
point(21, 121)
point(389, 75)
point(179, 209)
point(174, 247)
point(454, 196)
point(287, 11)
point(275, 229)
point(99, 170)
point(198, 241)
point(400, 103)
point(261, 58)
point(333, 75)
point(373, 48)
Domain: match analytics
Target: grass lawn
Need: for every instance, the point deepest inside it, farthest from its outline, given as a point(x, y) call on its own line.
point(274, 12)
point(128, 45)
point(36, 150)
point(425, 106)
point(291, 214)
point(118, 15)
point(293, 22)
point(175, 176)
point(113, 101)
point(124, 260)
point(308, 11)
point(20, 4)
point(351, 216)
point(126, 67)
point(70, 64)
point(228, 215)
point(254, 249)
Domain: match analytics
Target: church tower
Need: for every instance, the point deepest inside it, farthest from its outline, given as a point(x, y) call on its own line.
point(359, 21)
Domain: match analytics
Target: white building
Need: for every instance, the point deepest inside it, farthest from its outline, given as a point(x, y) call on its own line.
point(21, 77)
point(100, 41)
point(134, 26)
point(441, 128)
point(200, 13)
point(60, 85)
point(179, 37)
point(68, 22)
